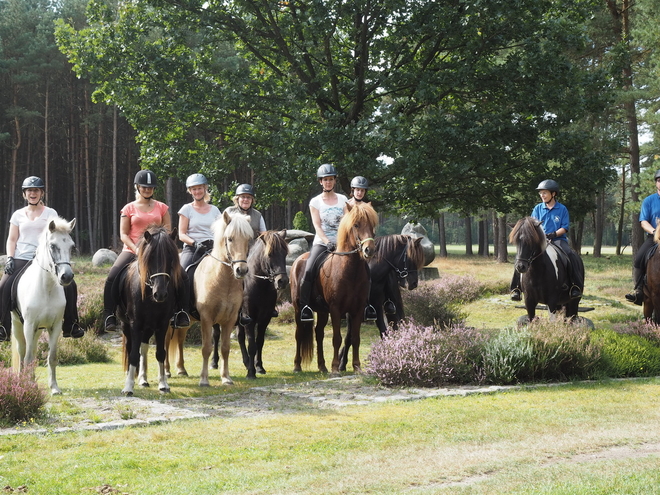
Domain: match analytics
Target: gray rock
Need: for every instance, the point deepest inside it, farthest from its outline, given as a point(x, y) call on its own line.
point(104, 257)
point(292, 234)
point(297, 247)
point(417, 230)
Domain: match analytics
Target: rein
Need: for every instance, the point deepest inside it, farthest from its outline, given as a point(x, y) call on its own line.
point(359, 243)
point(231, 261)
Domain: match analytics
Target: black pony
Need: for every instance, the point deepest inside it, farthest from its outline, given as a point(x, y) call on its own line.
point(266, 275)
point(543, 270)
point(396, 264)
point(147, 303)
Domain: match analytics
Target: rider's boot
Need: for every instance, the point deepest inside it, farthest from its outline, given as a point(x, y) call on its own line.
point(389, 307)
point(637, 295)
point(306, 313)
point(370, 313)
point(516, 294)
point(72, 330)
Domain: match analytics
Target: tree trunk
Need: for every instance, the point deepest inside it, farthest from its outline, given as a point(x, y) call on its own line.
point(502, 254)
point(622, 213)
point(115, 209)
point(599, 224)
point(468, 236)
point(442, 235)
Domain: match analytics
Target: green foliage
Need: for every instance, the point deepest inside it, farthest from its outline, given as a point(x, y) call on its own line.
point(21, 399)
point(300, 222)
point(88, 349)
point(507, 356)
point(628, 355)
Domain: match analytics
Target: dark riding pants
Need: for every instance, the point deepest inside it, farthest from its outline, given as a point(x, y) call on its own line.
point(639, 265)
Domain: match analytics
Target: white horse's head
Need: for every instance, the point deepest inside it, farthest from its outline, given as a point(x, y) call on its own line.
point(54, 251)
point(233, 234)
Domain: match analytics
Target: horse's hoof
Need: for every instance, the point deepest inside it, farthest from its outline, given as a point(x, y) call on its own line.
point(182, 373)
point(164, 390)
point(144, 385)
point(227, 381)
point(56, 391)
point(204, 384)
point(323, 370)
point(260, 370)
point(297, 369)
point(335, 374)
point(127, 393)
point(251, 376)
point(214, 366)
point(357, 370)
point(342, 367)
point(168, 374)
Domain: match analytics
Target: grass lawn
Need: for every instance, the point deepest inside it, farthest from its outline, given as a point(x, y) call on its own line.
point(579, 438)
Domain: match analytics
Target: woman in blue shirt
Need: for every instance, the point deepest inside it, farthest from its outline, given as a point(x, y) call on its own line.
point(554, 221)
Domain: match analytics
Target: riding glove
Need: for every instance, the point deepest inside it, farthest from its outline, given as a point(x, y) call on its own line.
point(9, 265)
point(551, 235)
point(331, 246)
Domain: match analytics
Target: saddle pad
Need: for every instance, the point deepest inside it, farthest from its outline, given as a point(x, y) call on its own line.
point(14, 290)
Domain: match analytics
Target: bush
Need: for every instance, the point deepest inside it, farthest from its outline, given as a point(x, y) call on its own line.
point(435, 302)
point(287, 313)
point(21, 399)
point(542, 351)
point(425, 356)
point(648, 330)
point(300, 222)
point(90, 311)
point(87, 349)
point(628, 355)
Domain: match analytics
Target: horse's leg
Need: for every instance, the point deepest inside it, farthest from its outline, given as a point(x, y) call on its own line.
point(225, 342)
point(321, 321)
point(336, 343)
point(354, 323)
point(240, 336)
point(52, 357)
point(216, 340)
point(261, 338)
point(207, 346)
point(18, 343)
point(180, 340)
point(142, 377)
point(343, 352)
point(169, 345)
point(161, 355)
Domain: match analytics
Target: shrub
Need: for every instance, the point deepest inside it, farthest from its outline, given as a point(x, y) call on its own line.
point(90, 310)
point(428, 304)
point(508, 356)
point(426, 356)
point(5, 353)
point(300, 222)
point(88, 349)
point(287, 313)
point(641, 328)
point(628, 355)
point(21, 399)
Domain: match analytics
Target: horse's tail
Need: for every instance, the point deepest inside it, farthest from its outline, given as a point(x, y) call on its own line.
point(124, 354)
point(305, 339)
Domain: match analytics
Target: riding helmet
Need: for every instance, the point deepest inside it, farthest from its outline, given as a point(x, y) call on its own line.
point(657, 174)
point(245, 189)
point(360, 182)
point(326, 170)
point(145, 178)
point(196, 180)
point(33, 182)
point(548, 185)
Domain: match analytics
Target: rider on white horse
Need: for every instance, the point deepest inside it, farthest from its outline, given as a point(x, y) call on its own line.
point(26, 226)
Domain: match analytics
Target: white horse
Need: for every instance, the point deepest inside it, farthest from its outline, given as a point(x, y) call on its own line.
point(40, 298)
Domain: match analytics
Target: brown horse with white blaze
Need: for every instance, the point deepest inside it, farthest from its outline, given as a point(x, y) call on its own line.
point(341, 288)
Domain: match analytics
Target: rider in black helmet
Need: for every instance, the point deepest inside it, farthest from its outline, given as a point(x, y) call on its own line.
point(555, 221)
point(648, 218)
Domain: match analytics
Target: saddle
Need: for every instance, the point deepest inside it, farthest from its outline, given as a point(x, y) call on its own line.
point(190, 270)
point(562, 257)
point(117, 287)
point(13, 304)
point(316, 300)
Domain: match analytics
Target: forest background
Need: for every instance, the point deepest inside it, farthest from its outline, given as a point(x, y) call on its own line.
point(453, 110)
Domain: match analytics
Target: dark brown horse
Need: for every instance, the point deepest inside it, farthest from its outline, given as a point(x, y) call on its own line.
point(341, 288)
point(147, 302)
point(652, 286)
point(543, 270)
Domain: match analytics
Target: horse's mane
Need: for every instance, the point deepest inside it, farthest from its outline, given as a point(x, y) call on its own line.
point(238, 227)
point(529, 229)
point(359, 214)
point(271, 243)
point(389, 243)
point(61, 226)
point(163, 247)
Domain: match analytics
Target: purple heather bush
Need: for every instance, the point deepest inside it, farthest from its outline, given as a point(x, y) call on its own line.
point(287, 314)
point(427, 356)
point(641, 328)
point(21, 399)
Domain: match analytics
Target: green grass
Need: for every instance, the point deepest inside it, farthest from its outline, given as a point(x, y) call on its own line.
point(582, 438)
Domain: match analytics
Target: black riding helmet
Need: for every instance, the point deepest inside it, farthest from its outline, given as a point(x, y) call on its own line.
point(245, 189)
point(145, 178)
point(548, 185)
point(33, 182)
point(657, 175)
point(326, 170)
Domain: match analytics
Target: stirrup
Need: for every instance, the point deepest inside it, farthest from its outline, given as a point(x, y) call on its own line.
point(110, 323)
point(635, 297)
point(244, 319)
point(5, 336)
point(516, 295)
point(181, 320)
point(389, 307)
point(575, 292)
point(306, 314)
point(75, 331)
point(370, 313)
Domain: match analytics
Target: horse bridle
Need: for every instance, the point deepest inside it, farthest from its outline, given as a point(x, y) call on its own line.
point(52, 262)
point(359, 243)
point(150, 283)
point(229, 263)
point(402, 273)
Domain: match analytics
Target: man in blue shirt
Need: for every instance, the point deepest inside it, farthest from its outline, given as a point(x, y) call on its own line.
point(554, 221)
point(648, 218)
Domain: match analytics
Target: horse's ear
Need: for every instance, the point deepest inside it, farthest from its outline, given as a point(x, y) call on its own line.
point(174, 234)
point(72, 224)
point(349, 206)
point(227, 217)
point(282, 234)
point(147, 236)
point(51, 226)
point(418, 241)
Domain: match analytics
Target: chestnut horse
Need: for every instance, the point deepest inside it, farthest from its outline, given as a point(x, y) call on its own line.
point(652, 285)
point(341, 288)
point(218, 286)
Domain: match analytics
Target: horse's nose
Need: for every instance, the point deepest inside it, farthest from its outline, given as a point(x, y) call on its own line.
point(240, 270)
point(520, 267)
point(66, 277)
point(281, 282)
point(159, 295)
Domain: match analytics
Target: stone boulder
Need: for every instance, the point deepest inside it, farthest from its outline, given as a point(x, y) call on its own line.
point(297, 247)
point(417, 230)
point(104, 257)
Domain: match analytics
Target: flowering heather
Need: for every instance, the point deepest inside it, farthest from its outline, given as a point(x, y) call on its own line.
point(425, 356)
point(21, 399)
point(287, 314)
point(642, 328)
